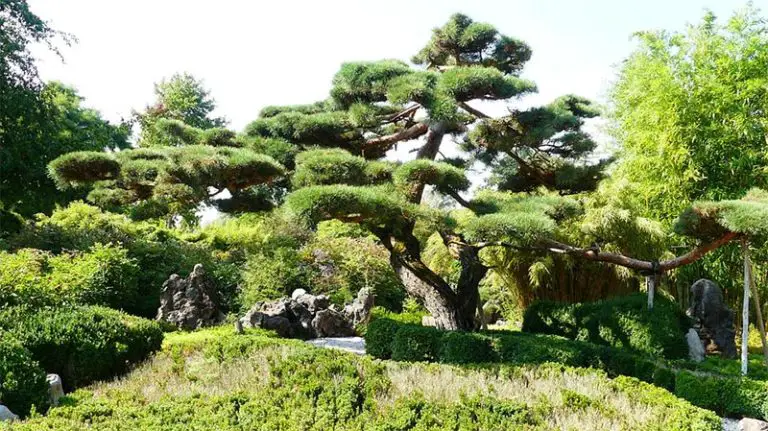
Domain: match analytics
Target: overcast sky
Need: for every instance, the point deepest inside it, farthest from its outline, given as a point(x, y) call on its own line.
point(257, 53)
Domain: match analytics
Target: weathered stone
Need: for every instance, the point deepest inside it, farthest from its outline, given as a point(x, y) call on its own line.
point(298, 292)
point(748, 424)
point(279, 324)
point(329, 323)
point(6, 414)
point(313, 303)
point(696, 350)
point(190, 303)
point(55, 388)
point(359, 311)
point(714, 321)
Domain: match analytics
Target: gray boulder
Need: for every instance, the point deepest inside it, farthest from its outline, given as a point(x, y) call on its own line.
point(713, 320)
point(305, 316)
point(6, 415)
point(55, 388)
point(696, 350)
point(190, 303)
point(748, 424)
point(359, 311)
point(329, 323)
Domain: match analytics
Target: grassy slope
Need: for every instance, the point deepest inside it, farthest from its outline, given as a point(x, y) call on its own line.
point(214, 379)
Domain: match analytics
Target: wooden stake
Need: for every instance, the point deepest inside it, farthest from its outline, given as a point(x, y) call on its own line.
point(759, 313)
point(650, 284)
point(745, 310)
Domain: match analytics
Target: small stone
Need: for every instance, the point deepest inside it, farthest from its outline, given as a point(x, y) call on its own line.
point(7, 415)
point(239, 327)
point(696, 350)
point(298, 292)
point(55, 388)
point(748, 424)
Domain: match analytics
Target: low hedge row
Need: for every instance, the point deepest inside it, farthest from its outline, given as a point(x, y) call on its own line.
point(82, 344)
point(297, 387)
point(624, 322)
point(406, 342)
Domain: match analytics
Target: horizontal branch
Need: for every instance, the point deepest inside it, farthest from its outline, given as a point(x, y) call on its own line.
point(384, 142)
point(465, 106)
point(619, 259)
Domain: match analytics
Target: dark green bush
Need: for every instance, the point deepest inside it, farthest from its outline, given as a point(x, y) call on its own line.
point(623, 322)
point(22, 381)
point(519, 348)
point(379, 337)
point(416, 343)
point(463, 348)
point(725, 395)
point(83, 344)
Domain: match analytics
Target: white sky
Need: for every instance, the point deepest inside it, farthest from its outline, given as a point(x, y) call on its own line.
point(251, 54)
point(257, 53)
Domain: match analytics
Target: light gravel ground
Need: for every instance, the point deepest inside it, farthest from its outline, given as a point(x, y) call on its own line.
point(348, 344)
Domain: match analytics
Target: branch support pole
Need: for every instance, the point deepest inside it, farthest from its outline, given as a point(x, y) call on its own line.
point(650, 285)
point(759, 314)
point(745, 309)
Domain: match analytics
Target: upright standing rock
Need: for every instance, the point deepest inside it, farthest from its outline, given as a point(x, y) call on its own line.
point(359, 311)
point(696, 350)
point(55, 388)
point(714, 321)
point(190, 303)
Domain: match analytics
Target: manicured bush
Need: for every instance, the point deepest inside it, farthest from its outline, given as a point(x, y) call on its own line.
point(725, 395)
point(22, 381)
point(416, 343)
point(463, 348)
point(379, 337)
point(623, 322)
point(83, 344)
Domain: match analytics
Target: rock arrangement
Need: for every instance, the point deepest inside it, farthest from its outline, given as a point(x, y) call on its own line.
point(190, 303)
point(308, 316)
point(713, 320)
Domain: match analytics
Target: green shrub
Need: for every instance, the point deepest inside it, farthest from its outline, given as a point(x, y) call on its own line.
point(416, 343)
point(157, 250)
point(379, 337)
point(83, 344)
point(464, 347)
point(726, 396)
point(22, 381)
point(519, 348)
point(623, 322)
point(104, 275)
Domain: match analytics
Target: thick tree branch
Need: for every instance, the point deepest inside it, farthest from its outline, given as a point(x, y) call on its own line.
point(465, 106)
point(387, 141)
point(619, 259)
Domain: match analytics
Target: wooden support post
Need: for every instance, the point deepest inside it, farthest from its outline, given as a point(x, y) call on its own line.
point(650, 284)
point(745, 310)
point(758, 313)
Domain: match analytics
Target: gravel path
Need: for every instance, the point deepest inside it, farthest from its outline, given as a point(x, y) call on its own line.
point(348, 344)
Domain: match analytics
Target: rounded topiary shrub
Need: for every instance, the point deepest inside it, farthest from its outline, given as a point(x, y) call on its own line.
point(22, 381)
point(465, 348)
point(416, 343)
point(83, 344)
point(379, 337)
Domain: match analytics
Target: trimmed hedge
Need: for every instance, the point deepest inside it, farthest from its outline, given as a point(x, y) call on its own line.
point(83, 344)
point(723, 394)
point(416, 343)
point(22, 381)
point(624, 322)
